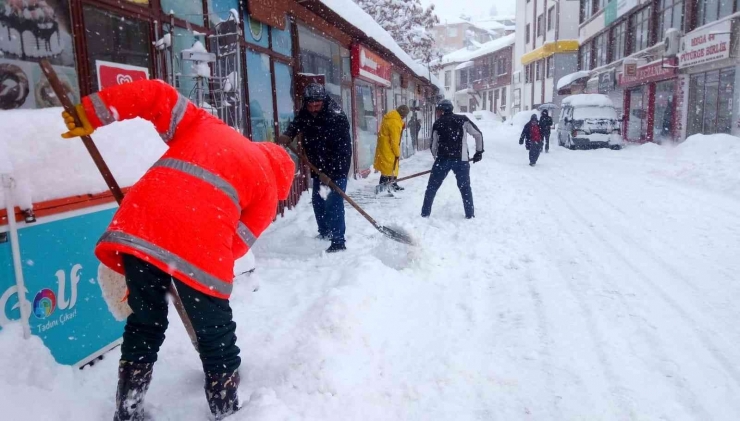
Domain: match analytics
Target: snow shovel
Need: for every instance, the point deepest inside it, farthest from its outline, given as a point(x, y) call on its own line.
point(58, 88)
point(380, 187)
point(394, 234)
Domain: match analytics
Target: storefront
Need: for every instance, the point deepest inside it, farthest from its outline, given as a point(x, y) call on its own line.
point(710, 74)
point(650, 93)
point(372, 79)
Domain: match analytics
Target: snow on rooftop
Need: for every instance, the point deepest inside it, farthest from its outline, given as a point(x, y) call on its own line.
point(568, 79)
point(353, 13)
point(588, 100)
point(463, 55)
point(465, 65)
point(47, 167)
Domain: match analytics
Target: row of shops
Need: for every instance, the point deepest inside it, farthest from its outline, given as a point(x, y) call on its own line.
point(246, 63)
point(685, 88)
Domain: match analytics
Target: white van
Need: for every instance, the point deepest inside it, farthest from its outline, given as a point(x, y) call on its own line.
point(589, 121)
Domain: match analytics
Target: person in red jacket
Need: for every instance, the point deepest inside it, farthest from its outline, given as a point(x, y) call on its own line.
point(197, 210)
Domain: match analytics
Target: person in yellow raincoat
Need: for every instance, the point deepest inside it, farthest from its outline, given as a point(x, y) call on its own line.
point(388, 151)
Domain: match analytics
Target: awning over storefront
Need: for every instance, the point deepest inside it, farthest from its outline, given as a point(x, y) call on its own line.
point(573, 83)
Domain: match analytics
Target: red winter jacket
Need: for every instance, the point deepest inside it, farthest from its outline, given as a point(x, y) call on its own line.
point(204, 203)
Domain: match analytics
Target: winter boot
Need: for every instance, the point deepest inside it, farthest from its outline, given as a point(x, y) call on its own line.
point(133, 382)
point(396, 187)
point(336, 247)
point(323, 237)
point(221, 393)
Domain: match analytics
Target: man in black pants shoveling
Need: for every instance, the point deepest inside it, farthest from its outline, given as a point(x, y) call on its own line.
point(450, 148)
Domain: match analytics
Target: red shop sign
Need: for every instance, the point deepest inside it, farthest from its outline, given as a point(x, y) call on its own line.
point(114, 74)
point(369, 66)
point(653, 72)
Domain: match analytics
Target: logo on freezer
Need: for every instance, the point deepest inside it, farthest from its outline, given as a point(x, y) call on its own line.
point(121, 79)
point(44, 303)
point(4, 299)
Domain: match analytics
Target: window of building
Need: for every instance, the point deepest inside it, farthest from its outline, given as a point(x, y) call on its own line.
point(710, 102)
point(640, 30)
point(501, 66)
point(495, 100)
point(322, 56)
point(191, 11)
point(670, 15)
point(503, 97)
point(485, 70)
point(282, 41)
point(526, 34)
point(260, 97)
point(550, 18)
point(587, 10)
point(598, 5)
point(584, 56)
point(462, 79)
point(541, 25)
point(448, 78)
point(711, 10)
point(550, 63)
point(452, 31)
point(538, 70)
point(619, 41)
point(284, 95)
point(528, 73)
point(600, 49)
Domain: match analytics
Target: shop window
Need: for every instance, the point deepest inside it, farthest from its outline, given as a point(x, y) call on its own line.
point(185, 71)
point(640, 30)
point(367, 124)
point(711, 102)
point(284, 95)
point(550, 63)
point(256, 32)
point(282, 42)
point(187, 10)
point(221, 10)
point(113, 38)
point(619, 41)
point(550, 18)
point(260, 97)
point(670, 15)
point(320, 56)
point(663, 118)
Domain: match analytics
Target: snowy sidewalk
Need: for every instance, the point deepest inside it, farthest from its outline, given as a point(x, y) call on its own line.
point(591, 287)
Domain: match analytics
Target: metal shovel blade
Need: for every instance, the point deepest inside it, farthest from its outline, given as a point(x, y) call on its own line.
point(397, 234)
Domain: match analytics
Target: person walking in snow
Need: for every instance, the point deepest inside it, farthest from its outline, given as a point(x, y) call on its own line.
point(545, 127)
point(533, 138)
point(327, 144)
point(185, 222)
point(388, 150)
point(450, 150)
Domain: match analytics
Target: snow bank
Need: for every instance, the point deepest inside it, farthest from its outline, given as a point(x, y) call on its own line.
point(47, 167)
point(568, 79)
point(353, 13)
point(588, 100)
point(705, 161)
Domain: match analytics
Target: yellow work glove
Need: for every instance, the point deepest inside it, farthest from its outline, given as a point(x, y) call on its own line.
point(84, 129)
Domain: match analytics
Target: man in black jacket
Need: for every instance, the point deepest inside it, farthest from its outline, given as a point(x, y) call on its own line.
point(450, 148)
point(545, 126)
point(327, 144)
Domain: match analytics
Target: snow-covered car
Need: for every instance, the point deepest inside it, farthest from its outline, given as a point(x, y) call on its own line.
point(589, 121)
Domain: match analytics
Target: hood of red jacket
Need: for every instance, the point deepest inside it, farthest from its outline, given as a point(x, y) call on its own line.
point(282, 166)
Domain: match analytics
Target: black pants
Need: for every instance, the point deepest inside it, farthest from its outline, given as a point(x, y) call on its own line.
point(546, 135)
point(144, 332)
point(535, 148)
point(440, 169)
point(386, 179)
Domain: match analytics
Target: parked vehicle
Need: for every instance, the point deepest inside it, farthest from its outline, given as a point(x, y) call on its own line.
point(589, 121)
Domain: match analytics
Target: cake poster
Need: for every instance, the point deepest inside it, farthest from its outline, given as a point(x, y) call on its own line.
point(29, 31)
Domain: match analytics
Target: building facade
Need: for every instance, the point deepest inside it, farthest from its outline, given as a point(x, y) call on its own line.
point(246, 63)
point(670, 66)
point(453, 35)
point(546, 49)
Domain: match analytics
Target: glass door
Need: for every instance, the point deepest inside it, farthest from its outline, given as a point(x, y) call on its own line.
point(663, 118)
point(637, 123)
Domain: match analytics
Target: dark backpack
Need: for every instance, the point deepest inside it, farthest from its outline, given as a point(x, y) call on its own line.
point(534, 133)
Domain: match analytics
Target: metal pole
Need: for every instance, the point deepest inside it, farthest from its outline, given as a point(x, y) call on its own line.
point(20, 284)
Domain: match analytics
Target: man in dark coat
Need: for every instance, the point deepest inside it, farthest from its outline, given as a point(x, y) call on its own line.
point(450, 148)
point(545, 126)
point(327, 144)
point(533, 137)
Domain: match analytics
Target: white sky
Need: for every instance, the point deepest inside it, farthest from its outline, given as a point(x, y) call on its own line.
point(454, 8)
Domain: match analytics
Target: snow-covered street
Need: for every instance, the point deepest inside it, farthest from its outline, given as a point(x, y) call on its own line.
point(599, 285)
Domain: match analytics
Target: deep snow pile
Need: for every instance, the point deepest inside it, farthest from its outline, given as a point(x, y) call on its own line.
point(586, 288)
point(46, 167)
